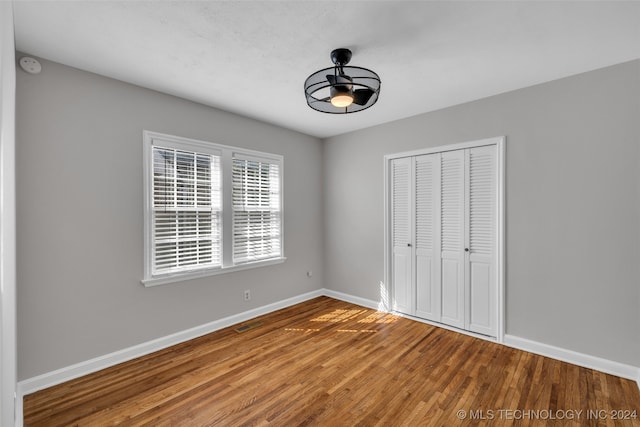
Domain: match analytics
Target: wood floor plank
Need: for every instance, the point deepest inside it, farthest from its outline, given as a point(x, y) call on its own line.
point(326, 362)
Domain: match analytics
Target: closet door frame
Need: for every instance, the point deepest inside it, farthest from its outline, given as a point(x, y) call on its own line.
point(386, 291)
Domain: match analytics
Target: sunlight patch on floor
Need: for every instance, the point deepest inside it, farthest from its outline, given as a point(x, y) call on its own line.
point(379, 318)
point(338, 316)
point(301, 330)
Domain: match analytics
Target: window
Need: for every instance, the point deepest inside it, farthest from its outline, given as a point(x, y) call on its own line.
point(186, 210)
point(210, 208)
point(256, 210)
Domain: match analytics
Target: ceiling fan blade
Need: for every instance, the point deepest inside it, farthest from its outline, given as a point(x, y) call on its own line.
point(362, 96)
point(339, 80)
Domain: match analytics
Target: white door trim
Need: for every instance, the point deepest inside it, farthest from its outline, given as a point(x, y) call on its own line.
point(386, 290)
point(8, 358)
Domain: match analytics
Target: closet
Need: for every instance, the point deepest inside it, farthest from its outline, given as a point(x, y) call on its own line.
point(443, 210)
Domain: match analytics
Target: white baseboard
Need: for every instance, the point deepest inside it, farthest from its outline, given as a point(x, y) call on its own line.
point(363, 302)
point(68, 373)
point(573, 357)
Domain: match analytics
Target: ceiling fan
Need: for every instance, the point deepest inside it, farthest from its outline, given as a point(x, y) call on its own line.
point(342, 89)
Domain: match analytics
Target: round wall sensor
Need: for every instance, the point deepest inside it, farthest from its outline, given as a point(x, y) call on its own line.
point(30, 65)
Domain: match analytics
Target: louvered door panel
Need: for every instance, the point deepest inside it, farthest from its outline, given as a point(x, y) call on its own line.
point(452, 238)
point(482, 225)
point(401, 220)
point(427, 251)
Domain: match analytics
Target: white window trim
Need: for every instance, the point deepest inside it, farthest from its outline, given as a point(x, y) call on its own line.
point(226, 153)
point(205, 272)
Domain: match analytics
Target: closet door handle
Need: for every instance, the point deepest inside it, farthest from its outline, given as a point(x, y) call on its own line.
point(466, 249)
point(409, 244)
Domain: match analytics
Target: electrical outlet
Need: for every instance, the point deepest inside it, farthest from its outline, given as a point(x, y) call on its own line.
point(247, 295)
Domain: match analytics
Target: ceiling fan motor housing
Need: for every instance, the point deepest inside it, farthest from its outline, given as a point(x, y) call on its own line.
point(341, 56)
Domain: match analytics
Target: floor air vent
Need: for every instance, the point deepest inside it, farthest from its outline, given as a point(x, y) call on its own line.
point(248, 326)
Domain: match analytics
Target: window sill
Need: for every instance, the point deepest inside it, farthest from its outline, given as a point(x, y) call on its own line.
point(179, 277)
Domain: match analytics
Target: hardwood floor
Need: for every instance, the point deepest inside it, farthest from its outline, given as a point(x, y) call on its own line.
point(330, 363)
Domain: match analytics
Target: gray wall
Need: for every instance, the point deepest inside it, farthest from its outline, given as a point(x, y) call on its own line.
point(572, 205)
point(80, 218)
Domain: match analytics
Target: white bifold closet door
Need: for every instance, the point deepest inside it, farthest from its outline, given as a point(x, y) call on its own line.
point(453, 238)
point(481, 248)
point(427, 236)
point(443, 226)
point(401, 203)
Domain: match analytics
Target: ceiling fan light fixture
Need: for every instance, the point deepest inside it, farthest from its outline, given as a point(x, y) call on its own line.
point(341, 98)
point(342, 89)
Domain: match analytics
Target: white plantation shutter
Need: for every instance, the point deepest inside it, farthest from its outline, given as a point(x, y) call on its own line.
point(257, 222)
point(186, 210)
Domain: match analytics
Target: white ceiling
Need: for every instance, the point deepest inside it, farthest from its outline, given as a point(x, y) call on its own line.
point(252, 58)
